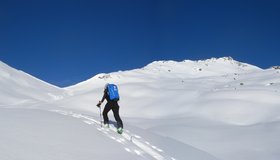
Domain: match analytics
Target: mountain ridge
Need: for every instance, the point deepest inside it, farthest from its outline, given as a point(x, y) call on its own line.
point(205, 104)
point(19, 87)
point(181, 68)
point(162, 65)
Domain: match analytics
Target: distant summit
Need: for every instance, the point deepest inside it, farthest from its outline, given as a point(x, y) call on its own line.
point(223, 60)
point(200, 68)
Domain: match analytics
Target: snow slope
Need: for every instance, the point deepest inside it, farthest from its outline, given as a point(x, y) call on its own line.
point(211, 109)
point(18, 87)
point(232, 90)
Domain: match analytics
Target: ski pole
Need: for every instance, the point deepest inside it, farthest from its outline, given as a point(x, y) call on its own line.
point(100, 116)
point(99, 106)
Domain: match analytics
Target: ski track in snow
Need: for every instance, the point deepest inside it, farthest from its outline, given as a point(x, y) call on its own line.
point(140, 146)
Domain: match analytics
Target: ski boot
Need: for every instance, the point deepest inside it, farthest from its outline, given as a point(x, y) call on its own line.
point(120, 130)
point(106, 125)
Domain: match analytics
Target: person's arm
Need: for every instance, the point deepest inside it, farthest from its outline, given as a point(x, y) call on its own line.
point(103, 98)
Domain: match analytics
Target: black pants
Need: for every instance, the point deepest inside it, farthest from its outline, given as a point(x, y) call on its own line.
point(115, 108)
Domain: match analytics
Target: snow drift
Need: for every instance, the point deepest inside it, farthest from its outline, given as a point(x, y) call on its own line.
point(210, 109)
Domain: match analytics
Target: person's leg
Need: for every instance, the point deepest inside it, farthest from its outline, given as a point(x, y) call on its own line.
point(115, 109)
point(105, 113)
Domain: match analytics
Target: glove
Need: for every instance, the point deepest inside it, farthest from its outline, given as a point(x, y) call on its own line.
point(99, 104)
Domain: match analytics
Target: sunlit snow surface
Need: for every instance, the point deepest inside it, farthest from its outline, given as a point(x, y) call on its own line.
point(200, 110)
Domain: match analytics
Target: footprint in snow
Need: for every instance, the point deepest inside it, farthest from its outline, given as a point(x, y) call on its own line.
point(144, 145)
point(88, 122)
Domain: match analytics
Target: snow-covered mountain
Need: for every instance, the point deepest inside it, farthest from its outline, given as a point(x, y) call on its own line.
point(190, 87)
point(210, 109)
point(18, 87)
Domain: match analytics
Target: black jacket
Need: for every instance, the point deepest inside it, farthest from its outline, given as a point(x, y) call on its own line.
point(106, 96)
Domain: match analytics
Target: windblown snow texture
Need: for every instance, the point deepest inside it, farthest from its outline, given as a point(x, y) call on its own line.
point(203, 110)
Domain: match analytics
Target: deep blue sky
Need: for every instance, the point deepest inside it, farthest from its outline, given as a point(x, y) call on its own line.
point(65, 42)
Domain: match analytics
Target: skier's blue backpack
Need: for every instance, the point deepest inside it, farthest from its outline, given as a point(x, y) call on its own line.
point(113, 92)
